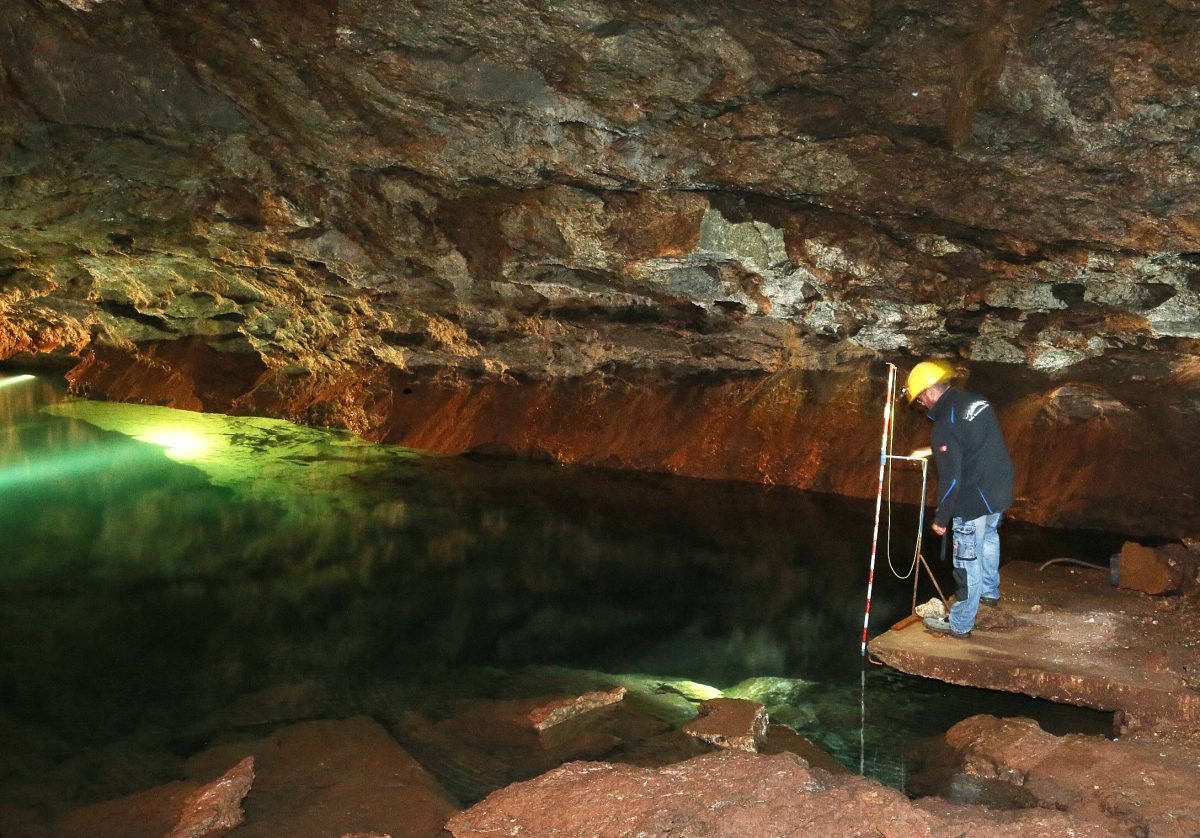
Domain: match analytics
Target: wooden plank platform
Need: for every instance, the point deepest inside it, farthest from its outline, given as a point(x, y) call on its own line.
point(1065, 634)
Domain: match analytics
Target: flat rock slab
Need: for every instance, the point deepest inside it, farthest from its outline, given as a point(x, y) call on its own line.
point(730, 723)
point(1066, 634)
point(327, 778)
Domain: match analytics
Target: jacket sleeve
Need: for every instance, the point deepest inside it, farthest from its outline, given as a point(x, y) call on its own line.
point(947, 453)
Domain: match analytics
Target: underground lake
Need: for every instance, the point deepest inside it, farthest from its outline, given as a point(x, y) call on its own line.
point(175, 580)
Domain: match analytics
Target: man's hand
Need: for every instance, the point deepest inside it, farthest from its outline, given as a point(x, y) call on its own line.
point(939, 529)
point(921, 453)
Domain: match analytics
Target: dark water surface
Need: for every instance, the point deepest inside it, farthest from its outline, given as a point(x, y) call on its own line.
point(159, 567)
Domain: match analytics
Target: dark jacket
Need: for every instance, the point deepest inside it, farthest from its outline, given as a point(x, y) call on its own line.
point(975, 474)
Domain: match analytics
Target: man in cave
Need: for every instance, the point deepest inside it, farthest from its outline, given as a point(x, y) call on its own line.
point(975, 486)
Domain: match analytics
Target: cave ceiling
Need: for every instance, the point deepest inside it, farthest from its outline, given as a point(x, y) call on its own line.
point(558, 188)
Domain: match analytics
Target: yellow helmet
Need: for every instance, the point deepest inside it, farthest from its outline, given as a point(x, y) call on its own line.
point(924, 375)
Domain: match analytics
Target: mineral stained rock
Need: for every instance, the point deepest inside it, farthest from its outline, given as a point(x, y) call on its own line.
point(733, 723)
point(734, 793)
point(557, 711)
point(181, 809)
point(1169, 569)
point(438, 223)
point(1145, 783)
point(215, 809)
point(324, 778)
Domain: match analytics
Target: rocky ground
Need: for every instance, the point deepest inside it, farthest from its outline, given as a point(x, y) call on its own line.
point(991, 777)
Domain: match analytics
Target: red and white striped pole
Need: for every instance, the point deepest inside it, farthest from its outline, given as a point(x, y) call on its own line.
point(883, 455)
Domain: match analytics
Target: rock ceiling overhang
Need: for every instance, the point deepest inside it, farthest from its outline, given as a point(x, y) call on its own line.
point(547, 190)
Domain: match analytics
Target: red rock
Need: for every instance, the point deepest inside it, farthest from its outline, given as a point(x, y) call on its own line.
point(1185, 562)
point(148, 814)
point(1145, 569)
point(961, 821)
point(730, 723)
point(215, 809)
point(505, 729)
point(322, 778)
point(732, 793)
point(556, 712)
point(1147, 782)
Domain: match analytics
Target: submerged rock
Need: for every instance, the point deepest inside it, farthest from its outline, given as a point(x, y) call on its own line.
point(181, 809)
point(467, 772)
point(781, 738)
point(321, 778)
point(772, 692)
point(556, 712)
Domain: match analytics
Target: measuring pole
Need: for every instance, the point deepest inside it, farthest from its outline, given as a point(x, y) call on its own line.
point(883, 458)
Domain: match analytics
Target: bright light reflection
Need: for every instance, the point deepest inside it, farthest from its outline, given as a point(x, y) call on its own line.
point(179, 445)
point(694, 691)
point(13, 379)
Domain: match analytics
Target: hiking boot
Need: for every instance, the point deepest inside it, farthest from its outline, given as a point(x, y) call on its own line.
point(989, 600)
point(940, 626)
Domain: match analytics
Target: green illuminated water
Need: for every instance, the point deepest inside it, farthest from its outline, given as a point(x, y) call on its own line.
point(167, 578)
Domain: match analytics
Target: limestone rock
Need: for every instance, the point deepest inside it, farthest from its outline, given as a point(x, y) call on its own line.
point(733, 723)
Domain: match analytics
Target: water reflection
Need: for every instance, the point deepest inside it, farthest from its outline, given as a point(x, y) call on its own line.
point(161, 567)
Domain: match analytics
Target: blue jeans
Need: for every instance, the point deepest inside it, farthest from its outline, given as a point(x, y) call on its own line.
point(976, 567)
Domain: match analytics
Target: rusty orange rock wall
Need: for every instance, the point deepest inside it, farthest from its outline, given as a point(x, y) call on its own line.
point(1082, 459)
point(817, 431)
point(789, 428)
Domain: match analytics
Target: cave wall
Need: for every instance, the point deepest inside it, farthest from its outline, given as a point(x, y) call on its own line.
point(676, 236)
